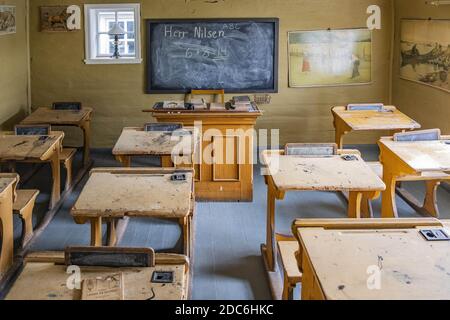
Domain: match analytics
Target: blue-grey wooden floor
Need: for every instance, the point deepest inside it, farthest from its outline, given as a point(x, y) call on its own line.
point(227, 263)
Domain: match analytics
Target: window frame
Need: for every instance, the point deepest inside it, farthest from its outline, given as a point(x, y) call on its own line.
point(91, 32)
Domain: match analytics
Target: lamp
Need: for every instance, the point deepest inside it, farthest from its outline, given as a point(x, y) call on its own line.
point(116, 31)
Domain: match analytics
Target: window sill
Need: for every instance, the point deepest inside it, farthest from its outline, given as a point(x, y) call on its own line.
point(113, 61)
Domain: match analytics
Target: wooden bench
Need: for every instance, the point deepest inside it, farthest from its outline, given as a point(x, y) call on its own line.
point(291, 273)
point(66, 158)
point(433, 180)
point(23, 205)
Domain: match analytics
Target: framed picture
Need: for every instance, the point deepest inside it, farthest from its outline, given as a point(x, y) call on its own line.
point(54, 19)
point(7, 20)
point(425, 52)
point(330, 57)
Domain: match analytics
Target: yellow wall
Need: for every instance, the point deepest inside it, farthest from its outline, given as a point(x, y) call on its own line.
point(14, 69)
point(429, 106)
point(117, 91)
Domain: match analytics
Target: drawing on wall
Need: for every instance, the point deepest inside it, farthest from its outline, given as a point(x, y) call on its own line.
point(425, 52)
point(330, 57)
point(54, 19)
point(7, 20)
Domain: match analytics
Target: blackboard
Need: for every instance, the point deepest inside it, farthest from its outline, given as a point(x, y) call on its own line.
point(74, 106)
point(238, 55)
point(32, 130)
point(165, 127)
point(110, 257)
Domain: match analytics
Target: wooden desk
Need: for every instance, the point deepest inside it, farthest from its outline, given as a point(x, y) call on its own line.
point(117, 193)
point(6, 222)
point(420, 160)
point(44, 277)
point(340, 258)
point(216, 181)
point(81, 119)
point(293, 173)
point(390, 119)
point(31, 149)
point(137, 142)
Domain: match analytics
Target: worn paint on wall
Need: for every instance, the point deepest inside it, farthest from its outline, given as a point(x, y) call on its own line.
point(429, 106)
point(14, 69)
point(117, 91)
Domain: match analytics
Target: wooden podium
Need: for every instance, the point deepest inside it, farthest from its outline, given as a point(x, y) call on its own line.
point(227, 140)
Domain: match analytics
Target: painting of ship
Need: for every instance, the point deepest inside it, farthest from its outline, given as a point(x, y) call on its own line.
point(425, 52)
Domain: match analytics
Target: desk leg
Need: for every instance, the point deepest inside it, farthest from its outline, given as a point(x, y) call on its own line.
point(6, 232)
point(270, 236)
point(354, 204)
point(388, 203)
point(56, 175)
point(430, 203)
point(96, 232)
point(124, 160)
point(366, 203)
point(340, 132)
point(86, 128)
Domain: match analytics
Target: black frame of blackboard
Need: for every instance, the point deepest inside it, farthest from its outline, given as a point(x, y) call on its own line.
point(149, 22)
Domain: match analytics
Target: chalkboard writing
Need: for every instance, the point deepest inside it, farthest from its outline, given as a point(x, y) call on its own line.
point(238, 55)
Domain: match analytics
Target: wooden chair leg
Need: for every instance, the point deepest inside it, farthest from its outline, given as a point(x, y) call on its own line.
point(68, 167)
point(96, 232)
point(288, 290)
point(366, 207)
point(430, 202)
point(354, 204)
point(185, 226)
point(27, 223)
point(111, 232)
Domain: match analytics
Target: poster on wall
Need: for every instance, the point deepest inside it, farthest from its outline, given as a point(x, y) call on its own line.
point(54, 19)
point(7, 20)
point(425, 52)
point(330, 57)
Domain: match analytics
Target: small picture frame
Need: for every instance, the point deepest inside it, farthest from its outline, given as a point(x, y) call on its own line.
point(73, 106)
point(32, 130)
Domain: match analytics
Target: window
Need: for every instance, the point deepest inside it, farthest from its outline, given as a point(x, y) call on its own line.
point(100, 45)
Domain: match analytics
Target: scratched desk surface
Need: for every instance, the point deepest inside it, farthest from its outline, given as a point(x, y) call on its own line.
point(123, 193)
point(47, 281)
point(422, 156)
point(14, 147)
point(324, 174)
point(389, 119)
point(50, 116)
point(411, 267)
point(135, 141)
